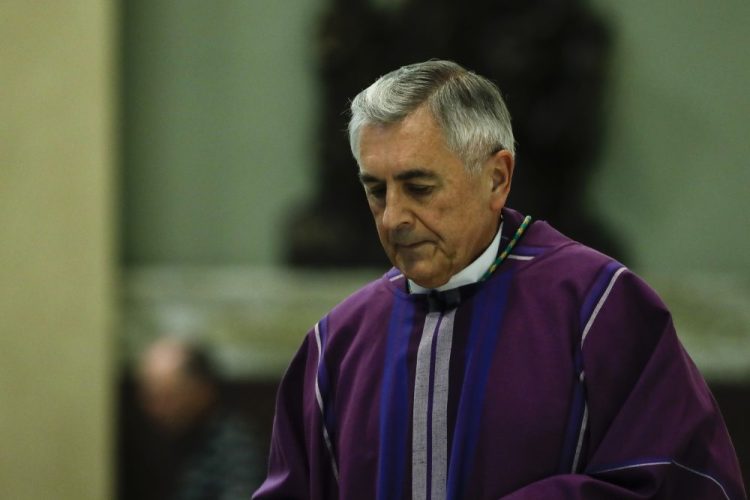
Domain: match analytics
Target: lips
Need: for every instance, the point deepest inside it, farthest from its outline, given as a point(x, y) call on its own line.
point(412, 246)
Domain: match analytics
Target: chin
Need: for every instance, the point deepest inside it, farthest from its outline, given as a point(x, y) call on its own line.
point(426, 281)
point(422, 273)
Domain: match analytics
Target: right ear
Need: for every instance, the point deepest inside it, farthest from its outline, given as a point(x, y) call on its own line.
point(501, 166)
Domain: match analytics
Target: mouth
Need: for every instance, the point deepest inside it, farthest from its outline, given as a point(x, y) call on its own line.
point(412, 246)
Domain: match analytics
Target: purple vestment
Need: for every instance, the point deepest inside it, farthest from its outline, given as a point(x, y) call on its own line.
point(560, 377)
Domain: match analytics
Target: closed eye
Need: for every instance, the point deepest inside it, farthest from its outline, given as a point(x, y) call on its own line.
point(420, 189)
point(375, 191)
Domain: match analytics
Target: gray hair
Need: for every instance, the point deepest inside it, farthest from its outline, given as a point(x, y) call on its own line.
point(468, 108)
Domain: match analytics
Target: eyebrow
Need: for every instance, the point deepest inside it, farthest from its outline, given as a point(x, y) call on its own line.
point(407, 175)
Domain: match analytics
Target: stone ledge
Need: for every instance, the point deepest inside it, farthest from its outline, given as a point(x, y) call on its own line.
point(253, 319)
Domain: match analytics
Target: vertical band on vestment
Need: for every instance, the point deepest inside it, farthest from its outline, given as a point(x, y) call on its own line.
point(444, 342)
point(421, 408)
point(572, 452)
point(483, 336)
point(323, 394)
point(430, 409)
point(394, 403)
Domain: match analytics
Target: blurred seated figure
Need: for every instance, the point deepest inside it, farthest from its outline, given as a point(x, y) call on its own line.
point(201, 451)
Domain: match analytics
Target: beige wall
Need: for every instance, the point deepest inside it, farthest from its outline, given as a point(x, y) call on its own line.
point(56, 248)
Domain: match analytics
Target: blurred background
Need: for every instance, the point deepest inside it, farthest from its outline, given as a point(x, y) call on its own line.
point(180, 168)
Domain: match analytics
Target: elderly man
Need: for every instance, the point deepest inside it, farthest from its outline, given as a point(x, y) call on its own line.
point(498, 358)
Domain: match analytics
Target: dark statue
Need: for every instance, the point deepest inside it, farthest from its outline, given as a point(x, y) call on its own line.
point(549, 58)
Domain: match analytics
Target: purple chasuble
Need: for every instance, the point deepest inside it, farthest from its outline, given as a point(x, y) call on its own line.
point(561, 376)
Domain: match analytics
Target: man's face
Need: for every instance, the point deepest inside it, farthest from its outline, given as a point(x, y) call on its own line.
point(433, 218)
point(173, 398)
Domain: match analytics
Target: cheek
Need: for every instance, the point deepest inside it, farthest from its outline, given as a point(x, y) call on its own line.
point(452, 228)
point(439, 221)
point(379, 226)
point(383, 236)
point(377, 216)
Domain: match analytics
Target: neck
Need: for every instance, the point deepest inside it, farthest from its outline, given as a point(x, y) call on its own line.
point(469, 274)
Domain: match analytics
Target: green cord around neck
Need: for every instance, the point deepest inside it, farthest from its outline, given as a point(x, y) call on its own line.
point(500, 258)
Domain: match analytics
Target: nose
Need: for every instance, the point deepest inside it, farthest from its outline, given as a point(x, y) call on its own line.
point(397, 214)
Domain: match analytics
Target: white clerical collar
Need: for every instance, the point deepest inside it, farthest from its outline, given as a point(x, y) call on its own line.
point(471, 273)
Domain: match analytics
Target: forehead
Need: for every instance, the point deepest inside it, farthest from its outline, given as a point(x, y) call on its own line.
point(416, 142)
point(163, 360)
